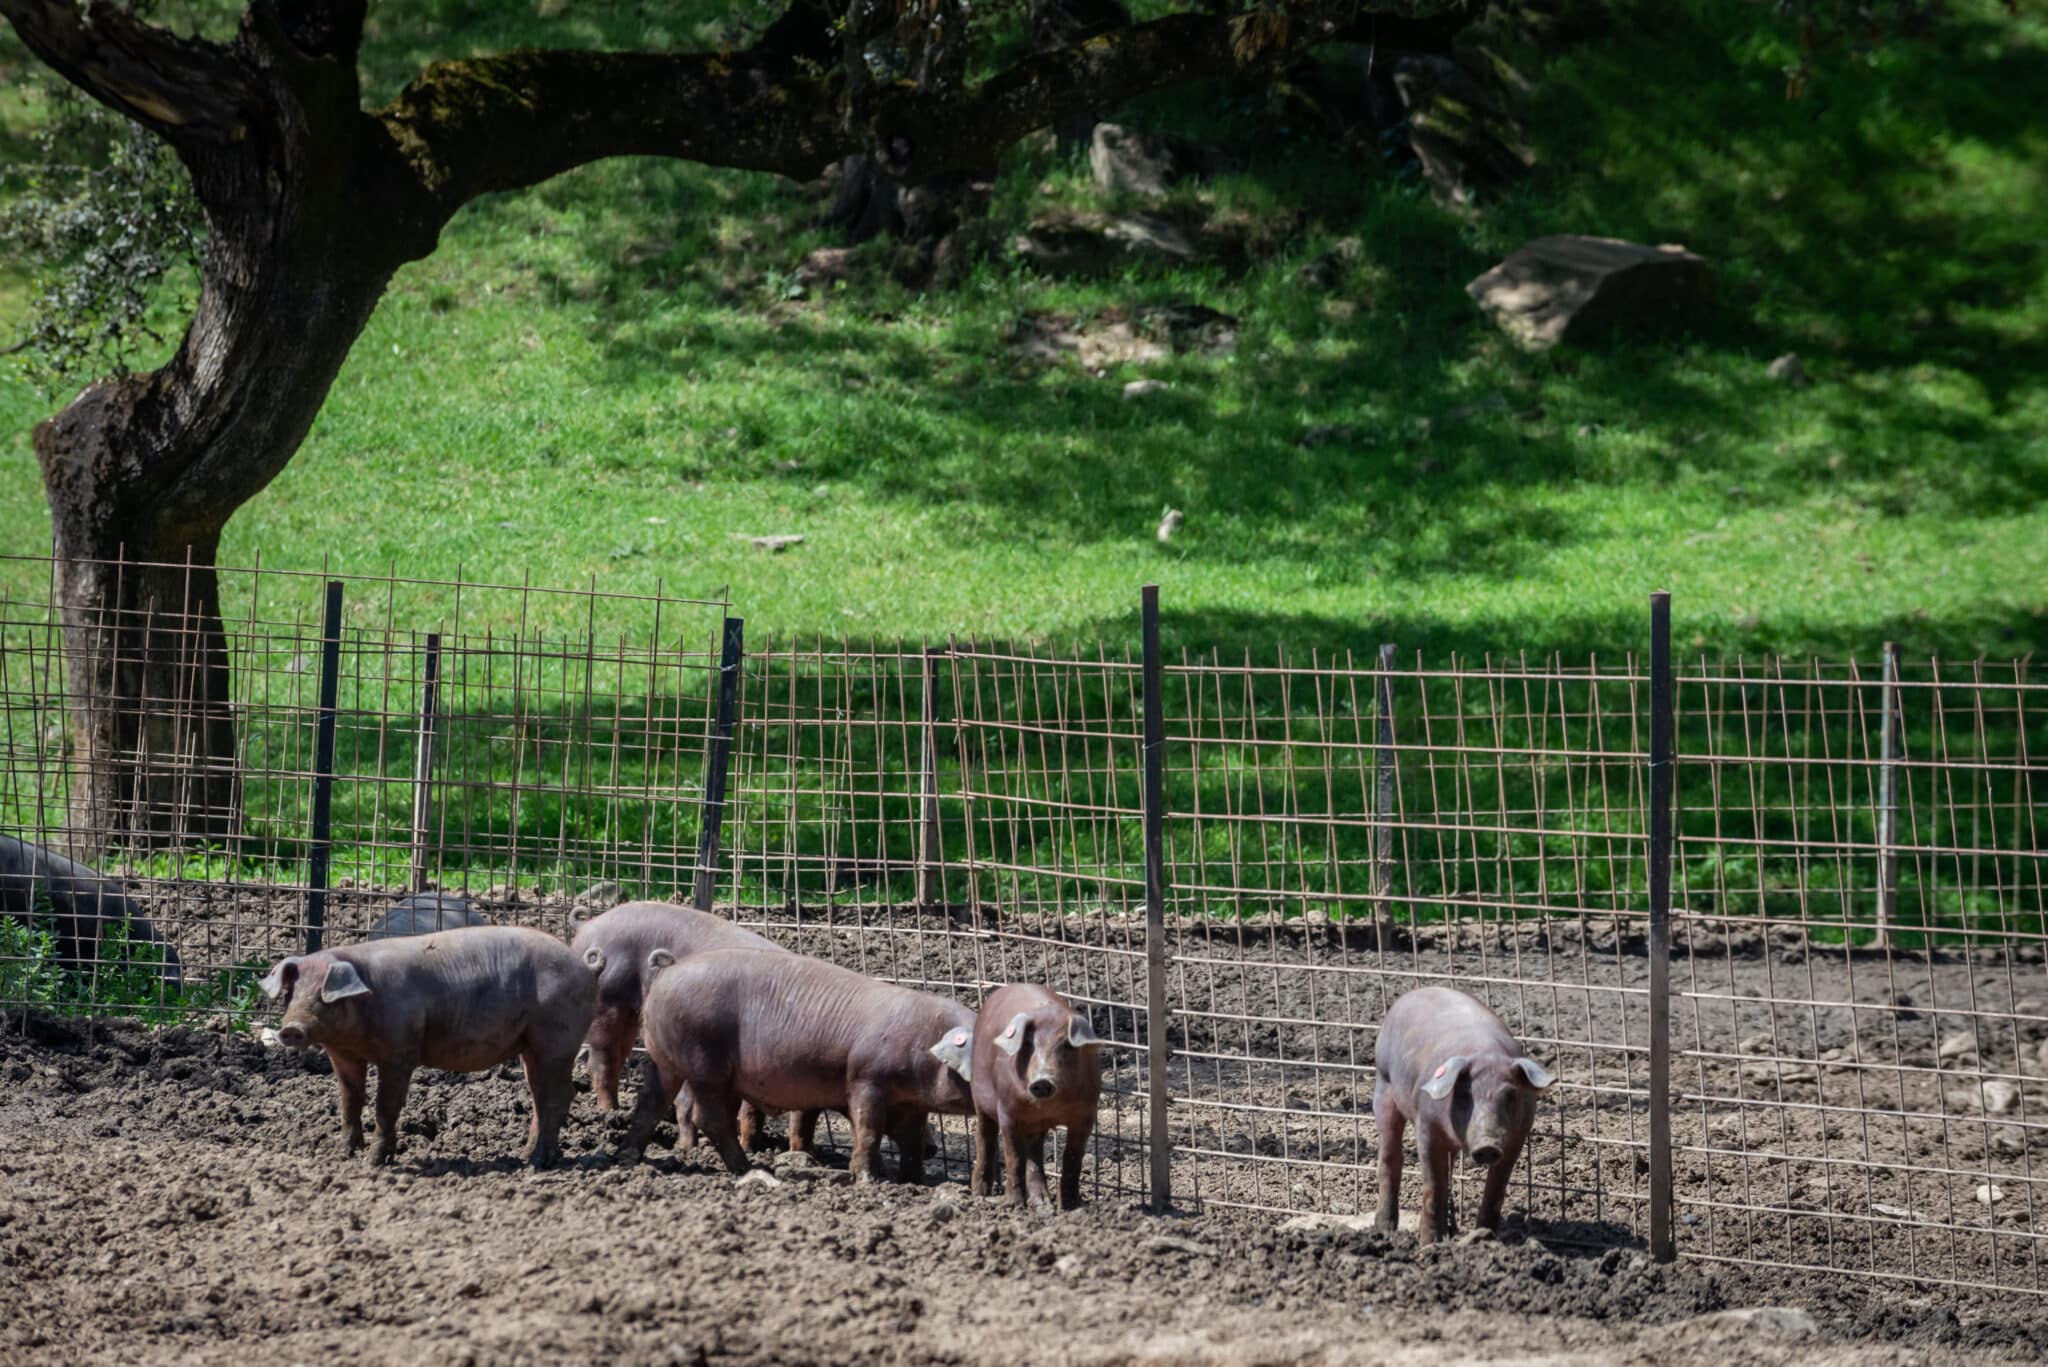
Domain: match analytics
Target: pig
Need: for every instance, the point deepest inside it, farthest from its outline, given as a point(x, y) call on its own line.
point(1035, 1065)
point(46, 891)
point(797, 1034)
point(623, 938)
point(423, 913)
point(1449, 1067)
point(463, 1000)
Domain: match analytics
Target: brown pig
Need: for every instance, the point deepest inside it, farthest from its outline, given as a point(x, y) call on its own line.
point(797, 1034)
point(1036, 1066)
point(1449, 1067)
point(463, 1000)
point(622, 938)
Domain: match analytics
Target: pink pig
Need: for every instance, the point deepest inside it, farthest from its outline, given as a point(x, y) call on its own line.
point(1448, 1066)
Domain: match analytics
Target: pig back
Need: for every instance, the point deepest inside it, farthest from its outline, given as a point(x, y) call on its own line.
point(463, 999)
point(423, 913)
point(792, 1032)
point(1430, 1024)
point(627, 934)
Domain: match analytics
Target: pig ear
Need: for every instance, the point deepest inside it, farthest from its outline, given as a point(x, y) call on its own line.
point(343, 982)
point(956, 1050)
point(1080, 1033)
point(659, 959)
point(1535, 1073)
point(1445, 1079)
point(280, 979)
point(1012, 1038)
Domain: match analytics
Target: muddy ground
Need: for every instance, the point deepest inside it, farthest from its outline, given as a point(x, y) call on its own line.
point(180, 1195)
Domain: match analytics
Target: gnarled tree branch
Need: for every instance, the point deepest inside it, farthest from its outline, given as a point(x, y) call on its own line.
point(186, 90)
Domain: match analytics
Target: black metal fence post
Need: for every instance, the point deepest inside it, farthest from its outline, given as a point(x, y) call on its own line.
point(719, 761)
point(930, 887)
point(1888, 802)
point(1384, 778)
point(323, 771)
point(423, 760)
point(1662, 776)
point(1158, 1135)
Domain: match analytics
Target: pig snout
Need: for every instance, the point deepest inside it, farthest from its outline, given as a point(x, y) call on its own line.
point(1042, 1087)
point(1485, 1156)
point(292, 1037)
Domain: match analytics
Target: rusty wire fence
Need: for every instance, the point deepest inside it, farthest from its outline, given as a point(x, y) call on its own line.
point(261, 759)
point(1777, 928)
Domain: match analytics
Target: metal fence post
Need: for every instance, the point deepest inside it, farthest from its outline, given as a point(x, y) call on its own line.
point(1662, 755)
point(323, 770)
point(1158, 1135)
point(930, 889)
point(1384, 778)
point(719, 761)
point(423, 760)
point(1888, 802)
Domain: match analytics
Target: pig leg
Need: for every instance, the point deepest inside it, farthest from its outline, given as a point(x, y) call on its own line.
point(1392, 1126)
point(1013, 1167)
point(1034, 1171)
point(660, 1091)
point(393, 1078)
point(1497, 1182)
point(611, 1043)
point(1436, 1189)
point(351, 1076)
point(718, 1113)
point(870, 1117)
point(750, 1126)
point(909, 1136)
point(1071, 1159)
point(803, 1131)
point(986, 1135)
point(551, 1082)
point(687, 1122)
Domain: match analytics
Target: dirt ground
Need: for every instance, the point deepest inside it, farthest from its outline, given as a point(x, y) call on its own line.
point(180, 1195)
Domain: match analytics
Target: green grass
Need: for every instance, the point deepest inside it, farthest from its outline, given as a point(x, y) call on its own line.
point(602, 380)
point(612, 380)
point(123, 980)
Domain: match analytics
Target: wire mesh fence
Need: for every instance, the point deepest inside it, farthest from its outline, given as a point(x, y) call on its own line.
point(309, 787)
point(1862, 1009)
point(1853, 929)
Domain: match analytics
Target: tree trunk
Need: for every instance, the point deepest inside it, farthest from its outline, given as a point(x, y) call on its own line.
point(143, 471)
point(153, 737)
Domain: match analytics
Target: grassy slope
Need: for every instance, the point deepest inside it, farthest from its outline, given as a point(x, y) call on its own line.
point(605, 378)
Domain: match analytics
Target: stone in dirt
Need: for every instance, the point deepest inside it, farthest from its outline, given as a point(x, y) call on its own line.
point(1574, 288)
point(1126, 161)
point(1774, 1319)
point(1957, 1045)
point(759, 1178)
point(1138, 389)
